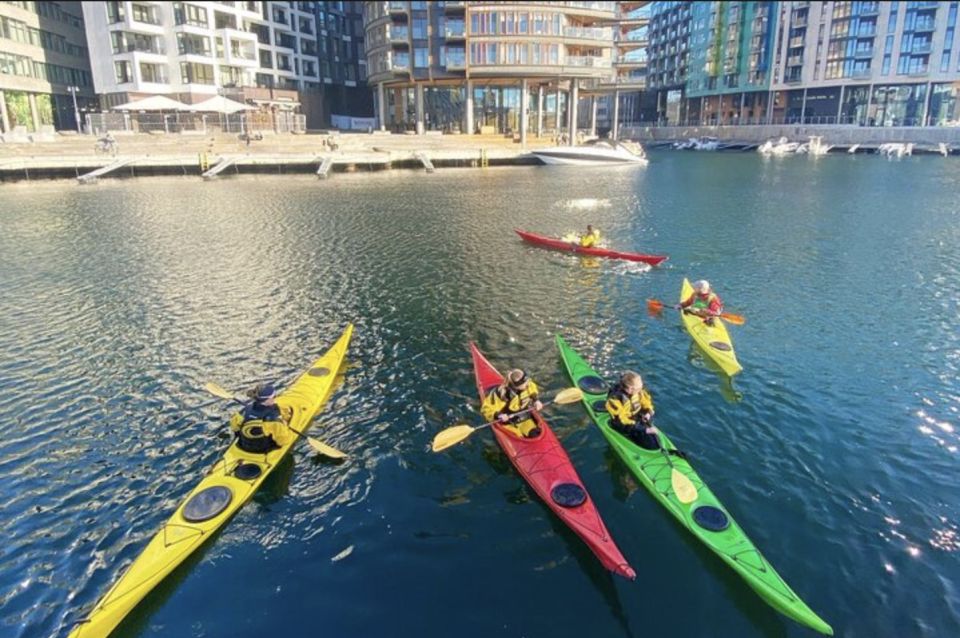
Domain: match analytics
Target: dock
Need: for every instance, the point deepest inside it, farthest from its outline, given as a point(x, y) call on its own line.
point(219, 167)
point(427, 164)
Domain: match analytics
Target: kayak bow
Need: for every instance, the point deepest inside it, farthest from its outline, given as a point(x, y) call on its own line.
point(559, 244)
point(230, 483)
point(705, 517)
point(544, 464)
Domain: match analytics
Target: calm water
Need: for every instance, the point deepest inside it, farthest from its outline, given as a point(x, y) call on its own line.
point(836, 450)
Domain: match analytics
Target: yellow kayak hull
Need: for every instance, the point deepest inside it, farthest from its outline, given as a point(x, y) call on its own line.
point(713, 340)
point(184, 532)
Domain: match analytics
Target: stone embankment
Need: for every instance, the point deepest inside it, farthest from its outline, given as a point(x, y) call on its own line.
point(143, 154)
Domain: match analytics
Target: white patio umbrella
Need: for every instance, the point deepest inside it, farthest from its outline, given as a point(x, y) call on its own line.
point(220, 104)
point(153, 103)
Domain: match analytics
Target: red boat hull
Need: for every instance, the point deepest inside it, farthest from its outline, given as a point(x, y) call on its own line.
point(559, 244)
point(544, 464)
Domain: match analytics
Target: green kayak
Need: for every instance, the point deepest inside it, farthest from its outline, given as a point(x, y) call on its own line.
point(705, 517)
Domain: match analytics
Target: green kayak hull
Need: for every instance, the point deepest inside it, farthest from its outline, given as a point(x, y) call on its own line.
point(651, 468)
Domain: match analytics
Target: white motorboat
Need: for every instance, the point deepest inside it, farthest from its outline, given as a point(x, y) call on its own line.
point(780, 147)
point(706, 144)
point(594, 152)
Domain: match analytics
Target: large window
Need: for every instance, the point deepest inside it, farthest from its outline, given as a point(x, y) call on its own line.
point(155, 73)
point(421, 58)
point(122, 72)
point(189, 14)
point(144, 13)
point(190, 44)
point(193, 73)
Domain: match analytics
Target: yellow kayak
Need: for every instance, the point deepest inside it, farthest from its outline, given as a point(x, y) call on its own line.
point(230, 484)
point(713, 340)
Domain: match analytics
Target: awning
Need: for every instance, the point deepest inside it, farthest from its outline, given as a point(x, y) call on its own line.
point(153, 103)
point(220, 104)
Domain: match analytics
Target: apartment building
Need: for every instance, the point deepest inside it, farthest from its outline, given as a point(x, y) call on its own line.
point(866, 63)
point(45, 75)
point(485, 66)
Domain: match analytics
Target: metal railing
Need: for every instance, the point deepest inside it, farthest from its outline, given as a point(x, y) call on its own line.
point(587, 61)
point(589, 33)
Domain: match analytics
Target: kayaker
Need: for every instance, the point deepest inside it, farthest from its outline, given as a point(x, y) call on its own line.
point(631, 411)
point(516, 394)
point(260, 426)
point(703, 302)
point(591, 238)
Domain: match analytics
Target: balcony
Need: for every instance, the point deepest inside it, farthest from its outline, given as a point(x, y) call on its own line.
point(927, 5)
point(397, 7)
point(795, 60)
point(917, 71)
point(797, 22)
point(456, 62)
point(454, 31)
point(921, 49)
point(451, 7)
point(796, 42)
point(924, 26)
point(869, 9)
point(587, 61)
point(863, 53)
point(589, 33)
point(861, 73)
point(399, 35)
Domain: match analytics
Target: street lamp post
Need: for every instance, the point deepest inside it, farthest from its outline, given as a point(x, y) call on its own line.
point(76, 112)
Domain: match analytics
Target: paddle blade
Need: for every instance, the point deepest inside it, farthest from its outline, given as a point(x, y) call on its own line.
point(682, 487)
point(217, 391)
point(325, 449)
point(736, 320)
point(450, 437)
point(570, 395)
point(654, 305)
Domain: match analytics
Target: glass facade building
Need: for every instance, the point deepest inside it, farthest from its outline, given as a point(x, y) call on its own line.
point(45, 75)
point(864, 63)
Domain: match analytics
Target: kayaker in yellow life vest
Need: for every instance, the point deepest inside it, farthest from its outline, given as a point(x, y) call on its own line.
point(703, 302)
point(516, 394)
point(591, 238)
point(261, 426)
point(631, 411)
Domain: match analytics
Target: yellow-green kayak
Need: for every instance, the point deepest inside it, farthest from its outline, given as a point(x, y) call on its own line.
point(230, 484)
point(714, 340)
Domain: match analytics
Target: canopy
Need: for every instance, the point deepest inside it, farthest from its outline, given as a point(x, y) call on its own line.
point(220, 104)
point(153, 103)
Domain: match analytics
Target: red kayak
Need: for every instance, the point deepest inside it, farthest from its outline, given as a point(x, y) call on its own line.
point(559, 244)
point(547, 468)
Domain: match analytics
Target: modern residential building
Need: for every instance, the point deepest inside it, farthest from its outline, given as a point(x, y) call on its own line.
point(623, 96)
point(343, 61)
point(485, 66)
point(867, 63)
point(278, 55)
point(44, 65)
point(667, 58)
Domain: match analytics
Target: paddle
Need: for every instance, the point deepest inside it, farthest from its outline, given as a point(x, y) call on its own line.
point(654, 305)
point(316, 444)
point(681, 484)
point(457, 433)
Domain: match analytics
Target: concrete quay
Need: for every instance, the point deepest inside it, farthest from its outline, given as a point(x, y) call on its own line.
point(74, 156)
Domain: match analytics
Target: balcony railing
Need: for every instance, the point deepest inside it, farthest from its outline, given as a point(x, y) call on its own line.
point(588, 61)
point(861, 73)
point(454, 6)
point(454, 31)
point(870, 9)
point(589, 33)
point(396, 6)
point(399, 34)
point(920, 70)
point(456, 62)
point(863, 53)
point(920, 49)
point(925, 25)
point(796, 41)
point(795, 60)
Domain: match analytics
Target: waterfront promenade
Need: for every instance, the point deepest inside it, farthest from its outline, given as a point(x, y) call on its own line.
point(75, 155)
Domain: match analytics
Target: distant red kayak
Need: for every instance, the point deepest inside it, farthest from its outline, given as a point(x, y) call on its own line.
point(559, 244)
point(545, 465)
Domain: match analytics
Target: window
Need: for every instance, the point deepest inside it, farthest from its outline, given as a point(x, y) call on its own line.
point(420, 28)
point(153, 73)
point(421, 58)
point(193, 73)
point(945, 62)
point(115, 12)
point(189, 14)
point(266, 59)
point(122, 72)
point(190, 44)
point(145, 14)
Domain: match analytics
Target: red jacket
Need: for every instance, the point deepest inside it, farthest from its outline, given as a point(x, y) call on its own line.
point(711, 301)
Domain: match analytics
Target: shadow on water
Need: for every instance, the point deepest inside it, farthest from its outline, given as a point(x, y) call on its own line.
point(698, 359)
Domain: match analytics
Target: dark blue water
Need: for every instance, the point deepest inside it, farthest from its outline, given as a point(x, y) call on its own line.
point(836, 449)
